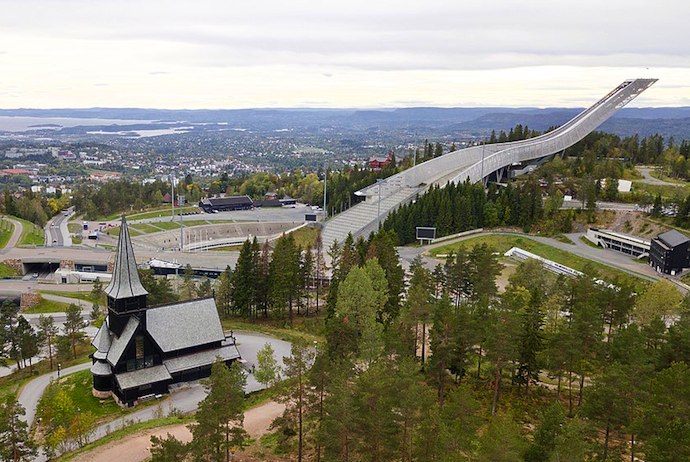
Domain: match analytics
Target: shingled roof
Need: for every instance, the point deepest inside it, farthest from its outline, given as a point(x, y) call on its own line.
point(183, 325)
point(125, 282)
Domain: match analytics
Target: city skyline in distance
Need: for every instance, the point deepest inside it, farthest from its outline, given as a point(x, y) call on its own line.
point(389, 54)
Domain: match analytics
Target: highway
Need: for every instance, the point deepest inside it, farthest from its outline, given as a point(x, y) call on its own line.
point(56, 230)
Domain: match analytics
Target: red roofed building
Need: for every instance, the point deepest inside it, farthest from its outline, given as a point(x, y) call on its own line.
point(15, 171)
point(379, 163)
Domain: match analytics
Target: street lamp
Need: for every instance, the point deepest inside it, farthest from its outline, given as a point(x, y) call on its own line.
point(378, 215)
point(482, 177)
point(59, 368)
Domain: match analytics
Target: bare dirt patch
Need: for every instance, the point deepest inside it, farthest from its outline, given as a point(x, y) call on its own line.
point(136, 448)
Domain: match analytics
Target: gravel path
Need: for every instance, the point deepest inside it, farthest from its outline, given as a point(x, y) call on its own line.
point(136, 448)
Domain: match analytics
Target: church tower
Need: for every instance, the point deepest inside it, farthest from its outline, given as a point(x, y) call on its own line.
point(126, 294)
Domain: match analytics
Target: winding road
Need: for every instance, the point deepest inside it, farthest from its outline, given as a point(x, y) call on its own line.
point(16, 234)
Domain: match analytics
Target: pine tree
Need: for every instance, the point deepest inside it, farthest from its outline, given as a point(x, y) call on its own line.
point(219, 419)
point(48, 330)
point(243, 283)
point(267, 371)
point(223, 292)
point(16, 443)
point(74, 327)
point(297, 397)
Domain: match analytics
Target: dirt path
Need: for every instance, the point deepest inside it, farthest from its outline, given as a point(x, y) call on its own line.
point(135, 448)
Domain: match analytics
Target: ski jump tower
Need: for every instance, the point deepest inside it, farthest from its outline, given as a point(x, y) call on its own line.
point(475, 164)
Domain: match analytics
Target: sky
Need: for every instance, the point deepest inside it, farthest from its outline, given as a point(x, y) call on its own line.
point(365, 54)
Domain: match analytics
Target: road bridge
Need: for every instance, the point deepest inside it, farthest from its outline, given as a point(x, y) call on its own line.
point(476, 163)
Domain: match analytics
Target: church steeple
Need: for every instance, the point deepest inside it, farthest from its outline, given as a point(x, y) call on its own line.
point(125, 282)
point(125, 292)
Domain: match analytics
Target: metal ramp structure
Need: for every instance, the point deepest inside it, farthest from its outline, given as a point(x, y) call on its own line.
point(475, 164)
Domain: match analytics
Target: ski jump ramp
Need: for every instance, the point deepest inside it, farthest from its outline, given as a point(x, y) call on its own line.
point(475, 164)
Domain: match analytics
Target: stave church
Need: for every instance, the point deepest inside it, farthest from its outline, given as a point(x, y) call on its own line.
point(141, 350)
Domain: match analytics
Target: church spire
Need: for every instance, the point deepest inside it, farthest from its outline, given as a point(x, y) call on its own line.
point(125, 282)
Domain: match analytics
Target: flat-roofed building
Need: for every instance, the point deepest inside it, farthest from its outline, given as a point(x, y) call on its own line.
point(225, 204)
point(619, 242)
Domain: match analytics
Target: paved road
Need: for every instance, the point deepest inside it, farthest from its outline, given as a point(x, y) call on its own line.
point(185, 399)
point(56, 230)
point(575, 204)
point(16, 235)
point(649, 179)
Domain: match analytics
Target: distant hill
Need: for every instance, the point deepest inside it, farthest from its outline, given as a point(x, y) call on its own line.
point(673, 121)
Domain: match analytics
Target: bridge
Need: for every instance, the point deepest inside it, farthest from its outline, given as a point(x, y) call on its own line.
point(476, 163)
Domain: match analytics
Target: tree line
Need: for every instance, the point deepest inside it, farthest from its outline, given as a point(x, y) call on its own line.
point(449, 368)
point(464, 206)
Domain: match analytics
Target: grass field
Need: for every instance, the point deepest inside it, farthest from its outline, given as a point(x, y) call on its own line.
point(79, 386)
point(502, 243)
point(85, 295)
point(6, 230)
point(7, 271)
point(47, 306)
point(145, 228)
point(31, 234)
point(155, 213)
point(305, 236)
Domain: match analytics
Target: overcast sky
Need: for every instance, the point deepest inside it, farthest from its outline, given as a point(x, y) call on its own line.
point(239, 53)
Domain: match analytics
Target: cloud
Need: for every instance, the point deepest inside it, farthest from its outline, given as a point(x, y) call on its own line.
point(439, 52)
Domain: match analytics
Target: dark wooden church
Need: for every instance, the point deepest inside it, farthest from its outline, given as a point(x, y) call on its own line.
point(142, 350)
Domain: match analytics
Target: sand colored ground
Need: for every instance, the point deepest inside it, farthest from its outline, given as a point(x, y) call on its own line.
point(135, 448)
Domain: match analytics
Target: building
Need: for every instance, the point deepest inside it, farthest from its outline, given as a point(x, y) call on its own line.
point(223, 204)
point(619, 242)
point(379, 163)
point(141, 350)
point(669, 252)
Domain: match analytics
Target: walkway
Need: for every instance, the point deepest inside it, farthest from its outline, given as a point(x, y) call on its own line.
point(647, 177)
point(185, 399)
point(136, 448)
point(16, 234)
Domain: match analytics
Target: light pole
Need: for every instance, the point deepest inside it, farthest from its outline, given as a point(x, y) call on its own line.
point(172, 197)
point(378, 215)
point(325, 177)
point(482, 177)
point(59, 369)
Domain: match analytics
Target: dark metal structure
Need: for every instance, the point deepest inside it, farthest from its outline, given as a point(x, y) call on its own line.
point(670, 252)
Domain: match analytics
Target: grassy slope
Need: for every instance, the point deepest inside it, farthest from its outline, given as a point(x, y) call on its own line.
point(501, 243)
point(47, 306)
point(7, 271)
point(6, 233)
point(31, 234)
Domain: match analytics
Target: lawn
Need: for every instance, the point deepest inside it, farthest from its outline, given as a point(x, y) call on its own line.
point(74, 227)
point(85, 295)
point(79, 386)
point(7, 271)
point(305, 236)
point(154, 213)
point(47, 306)
point(163, 226)
point(307, 329)
point(6, 230)
point(31, 234)
point(144, 228)
point(502, 243)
